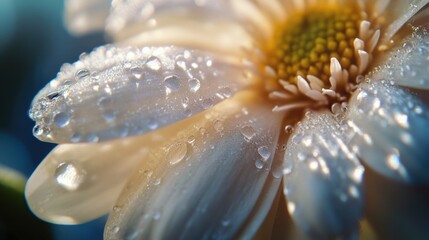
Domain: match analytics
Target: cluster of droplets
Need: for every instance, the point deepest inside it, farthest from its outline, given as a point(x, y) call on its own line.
point(100, 83)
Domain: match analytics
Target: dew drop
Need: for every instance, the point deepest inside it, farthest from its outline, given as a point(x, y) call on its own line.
point(62, 119)
point(152, 124)
point(218, 126)
point(157, 181)
point(226, 222)
point(172, 83)
point(248, 132)
point(136, 73)
point(154, 63)
point(69, 176)
point(37, 130)
point(82, 74)
point(115, 229)
point(191, 139)
point(264, 152)
point(288, 129)
point(104, 102)
point(194, 85)
point(259, 164)
point(176, 153)
point(207, 103)
point(109, 115)
point(53, 95)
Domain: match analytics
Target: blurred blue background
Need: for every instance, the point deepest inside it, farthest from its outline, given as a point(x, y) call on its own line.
point(33, 46)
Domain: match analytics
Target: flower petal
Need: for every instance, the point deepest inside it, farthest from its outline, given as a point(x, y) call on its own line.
point(266, 197)
point(407, 64)
point(322, 179)
point(116, 92)
point(203, 182)
point(218, 25)
point(79, 182)
point(388, 130)
point(83, 16)
point(395, 14)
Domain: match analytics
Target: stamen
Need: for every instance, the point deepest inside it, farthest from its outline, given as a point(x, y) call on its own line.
point(319, 55)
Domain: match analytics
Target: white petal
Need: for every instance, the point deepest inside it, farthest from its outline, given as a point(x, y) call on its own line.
point(211, 187)
point(322, 179)
point(408, 64)
point(388, 130)
point(80, 182)
point(117, 92)
point(396, 14)
point(82, 16)
point(218, 25)
point(268, 194)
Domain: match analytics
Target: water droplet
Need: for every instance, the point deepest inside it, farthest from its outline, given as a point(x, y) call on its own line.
point(172, 83)
point(259, 164)
point(157, 181)
point(207, 103)
point(176, 152)
point(136, 73)
point(248, 132)
point(69, 176)
point(191, 139)
point(226, 92)
point(264, 152)
point(277, 172)
point(52, 95)
point(116, 208)
point(37, 130)
point(288, 129)
point(104, 102)
point(203, 131)
point(152, 124)
point(82, 74)
point(62, 119)
point(156, 215)
point(194, 84)
point(218, 126)
point(226, 222)
point(154, 63)
point(115, 229)
point(109, 115)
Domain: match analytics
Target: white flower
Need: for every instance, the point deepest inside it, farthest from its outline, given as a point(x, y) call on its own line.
point(259, 92)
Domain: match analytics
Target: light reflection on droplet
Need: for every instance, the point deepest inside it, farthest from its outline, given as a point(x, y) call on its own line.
point(69, 176)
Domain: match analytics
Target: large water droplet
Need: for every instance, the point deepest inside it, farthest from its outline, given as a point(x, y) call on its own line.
point(264, 152)
point(69, 176)
point(194, 84)
point(176, 153)
point(62, 119)
point(154, 63)
point(172, 83)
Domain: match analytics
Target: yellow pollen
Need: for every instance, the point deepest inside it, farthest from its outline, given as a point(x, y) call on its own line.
point(306, 42)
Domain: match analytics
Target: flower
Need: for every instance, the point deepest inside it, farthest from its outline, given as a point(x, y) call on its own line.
point(260, 93)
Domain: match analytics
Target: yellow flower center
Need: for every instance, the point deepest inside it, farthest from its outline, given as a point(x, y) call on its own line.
point(318, 55)
point(306, 43)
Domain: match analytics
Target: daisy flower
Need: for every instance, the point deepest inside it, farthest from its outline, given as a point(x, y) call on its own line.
point(202, 114)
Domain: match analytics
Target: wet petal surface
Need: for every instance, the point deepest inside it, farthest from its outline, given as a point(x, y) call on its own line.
point(407, 65)
point(389, 129)
point(322, 179)
point(117, 92)
point(79, 182)
point(204, 182)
